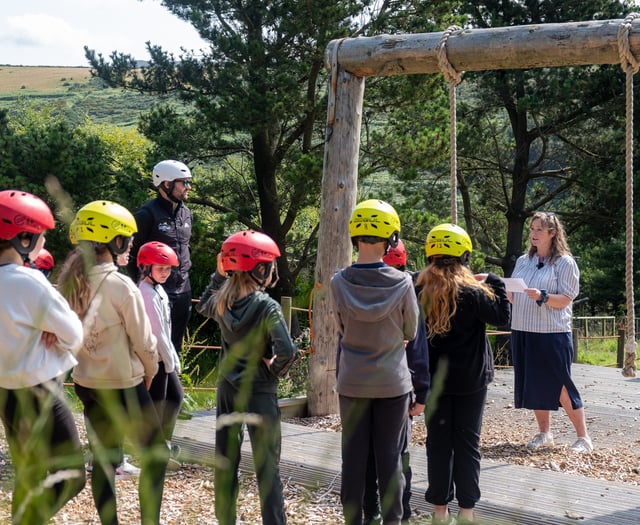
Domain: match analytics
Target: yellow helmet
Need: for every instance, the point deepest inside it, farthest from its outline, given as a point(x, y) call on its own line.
point(375, 218)
point(102, 221)
point(448, 239)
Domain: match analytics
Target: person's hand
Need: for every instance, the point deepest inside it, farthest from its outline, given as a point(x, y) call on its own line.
point(49, 339)
point(147, 382)
point(219, 266)
point(269, 361)
point(533, 293)
point(481, 277)
point(415, 409)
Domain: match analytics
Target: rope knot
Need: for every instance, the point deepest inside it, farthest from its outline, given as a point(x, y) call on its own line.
point(447, 69)
point(627, 60)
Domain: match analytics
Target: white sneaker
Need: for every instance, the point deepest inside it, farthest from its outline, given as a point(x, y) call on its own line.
point(540, 440)
point(582, 445)
point(126, 470)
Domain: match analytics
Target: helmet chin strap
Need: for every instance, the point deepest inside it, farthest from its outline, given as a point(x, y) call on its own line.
point(23, 250)
point(148, 273)
point(169, 192)
point(260, 278)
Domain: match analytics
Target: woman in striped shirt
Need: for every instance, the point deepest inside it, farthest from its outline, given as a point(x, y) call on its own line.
point(541, 341)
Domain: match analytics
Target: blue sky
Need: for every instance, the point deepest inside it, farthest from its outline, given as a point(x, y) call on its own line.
point(54, 32)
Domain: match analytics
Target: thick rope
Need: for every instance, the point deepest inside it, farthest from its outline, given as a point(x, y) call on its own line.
point(630, 66)
point(454, 78)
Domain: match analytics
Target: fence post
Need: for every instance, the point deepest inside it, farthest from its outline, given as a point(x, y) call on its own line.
point(620, 357)
point(285, 303)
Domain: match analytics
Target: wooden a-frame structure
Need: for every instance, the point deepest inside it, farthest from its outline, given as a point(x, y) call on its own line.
point(349, 61)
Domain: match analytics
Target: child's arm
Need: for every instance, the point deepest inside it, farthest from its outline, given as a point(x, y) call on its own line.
point(495, 312)
point(60, 325)
point(283, 348)
point(411, 312)
point(418, 360)
point(207, 304)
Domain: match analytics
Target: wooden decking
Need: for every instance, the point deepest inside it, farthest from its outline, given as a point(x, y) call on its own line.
point(511, 494)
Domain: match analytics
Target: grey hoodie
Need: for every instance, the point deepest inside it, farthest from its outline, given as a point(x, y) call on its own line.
point(376, 310)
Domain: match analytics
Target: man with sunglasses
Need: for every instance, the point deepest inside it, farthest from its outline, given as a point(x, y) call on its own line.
point(168, 220)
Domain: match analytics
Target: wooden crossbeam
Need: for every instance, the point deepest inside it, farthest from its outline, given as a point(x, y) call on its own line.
point(517, 47)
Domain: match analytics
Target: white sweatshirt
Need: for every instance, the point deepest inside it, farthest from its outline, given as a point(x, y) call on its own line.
point(29, 306)
point(156, 303)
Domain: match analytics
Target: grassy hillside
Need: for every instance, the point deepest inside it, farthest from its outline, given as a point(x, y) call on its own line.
point(72, 90)
point(23, 79)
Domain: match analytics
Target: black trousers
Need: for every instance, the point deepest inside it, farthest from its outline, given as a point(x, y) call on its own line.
point(261, 414)
point(379, 424)
point(453, 449)
point(110, 415)
point(180, 304)
point(167, 394)
point(371, 500)
point(43, 440)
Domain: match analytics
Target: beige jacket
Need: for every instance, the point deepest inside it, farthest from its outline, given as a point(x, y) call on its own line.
point(119, 349)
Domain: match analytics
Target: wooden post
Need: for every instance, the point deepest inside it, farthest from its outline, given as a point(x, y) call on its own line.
point(620, 351)
point(339, 184)
point(285, 303)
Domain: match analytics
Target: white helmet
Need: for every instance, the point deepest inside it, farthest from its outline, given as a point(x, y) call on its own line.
point(169, 170)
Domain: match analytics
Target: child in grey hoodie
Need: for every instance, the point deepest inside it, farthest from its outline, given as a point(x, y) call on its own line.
point(376, 311)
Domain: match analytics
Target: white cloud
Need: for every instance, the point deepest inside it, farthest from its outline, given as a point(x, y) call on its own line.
point(46, 32)
point(41, 29)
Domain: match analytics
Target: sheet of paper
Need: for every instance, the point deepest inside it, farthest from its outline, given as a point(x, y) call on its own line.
point(514, 285)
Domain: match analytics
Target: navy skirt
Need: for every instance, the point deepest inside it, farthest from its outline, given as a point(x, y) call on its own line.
point(542, 366)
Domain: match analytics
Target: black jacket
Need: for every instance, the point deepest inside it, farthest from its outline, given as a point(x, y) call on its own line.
point(158, 221)
point(465, 348)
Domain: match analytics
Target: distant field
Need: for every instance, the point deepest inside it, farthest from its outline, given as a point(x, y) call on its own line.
point(73, 91)
point(39, 78)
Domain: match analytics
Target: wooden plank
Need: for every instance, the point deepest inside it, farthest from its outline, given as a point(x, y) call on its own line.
point(515, 47)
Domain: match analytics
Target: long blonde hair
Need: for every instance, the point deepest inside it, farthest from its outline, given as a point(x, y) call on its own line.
point(441, 284)
point(73, 281)
point(237, 286)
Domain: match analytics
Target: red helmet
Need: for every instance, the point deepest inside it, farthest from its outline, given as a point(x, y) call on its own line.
point(242, 251)
point(23, 212)
point(155, 252)
point(396, 256)
point(44, 260)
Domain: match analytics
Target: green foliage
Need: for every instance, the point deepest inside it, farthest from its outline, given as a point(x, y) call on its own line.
point(296, 383)
point(200, 365)
point(68, 166)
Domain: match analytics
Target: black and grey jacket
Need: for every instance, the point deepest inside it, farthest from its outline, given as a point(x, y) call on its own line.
point(158, 221)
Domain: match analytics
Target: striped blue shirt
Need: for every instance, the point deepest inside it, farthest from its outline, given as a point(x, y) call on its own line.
point(561, 277)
